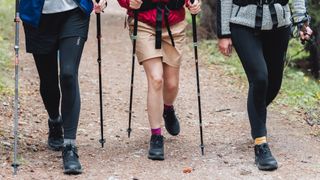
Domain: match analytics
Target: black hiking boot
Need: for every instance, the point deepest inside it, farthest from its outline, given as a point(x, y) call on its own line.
point(55, 138)
point(264, 159)
point(71, 163)
point(171, 122)
point(156, 151)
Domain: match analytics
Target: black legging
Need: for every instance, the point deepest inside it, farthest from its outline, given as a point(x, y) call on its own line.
point(262, 55)
point(70, 50)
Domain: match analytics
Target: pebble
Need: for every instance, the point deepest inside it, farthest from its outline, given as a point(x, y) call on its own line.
point(245, 172)
point(7, 144)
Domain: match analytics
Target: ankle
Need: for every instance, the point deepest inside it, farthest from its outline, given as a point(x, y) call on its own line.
point(168, 107)
point(69, 142)
point(156, 131)
point(260, 140)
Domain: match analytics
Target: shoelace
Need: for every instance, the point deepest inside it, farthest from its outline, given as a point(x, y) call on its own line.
point(264, 150)
point(169, 114)
point(73, 151)
point(158, 141)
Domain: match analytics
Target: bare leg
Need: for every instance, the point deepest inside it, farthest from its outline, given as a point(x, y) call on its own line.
point(154, 72)
point(171, 84)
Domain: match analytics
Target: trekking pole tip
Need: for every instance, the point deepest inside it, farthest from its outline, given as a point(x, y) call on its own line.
point(102, 142)
point(15, 168)
point(129, 130)
point(202, 150)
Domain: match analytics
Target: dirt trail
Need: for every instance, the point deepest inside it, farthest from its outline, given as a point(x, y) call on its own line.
point(229, 153)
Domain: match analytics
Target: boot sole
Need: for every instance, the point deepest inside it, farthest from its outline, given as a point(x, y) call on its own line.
point(55, 148)
point(173, 133)
point(72, 171)
point(156, 157)
point(267, 168)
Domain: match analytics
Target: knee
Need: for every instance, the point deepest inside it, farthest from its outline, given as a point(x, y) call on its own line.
point(261, 80)
point(67, 77)
point(171, 86)
point(156, 82)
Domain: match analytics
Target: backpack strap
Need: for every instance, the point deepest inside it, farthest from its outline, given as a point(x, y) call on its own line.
point(163, 10)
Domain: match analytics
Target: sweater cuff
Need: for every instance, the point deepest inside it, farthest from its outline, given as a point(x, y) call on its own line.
point(220, 36)
point(300, 18)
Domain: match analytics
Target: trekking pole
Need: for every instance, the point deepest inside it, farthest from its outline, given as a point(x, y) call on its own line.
point(102, 140)
point(195, 46)
point(15, 164)
point(134, 42)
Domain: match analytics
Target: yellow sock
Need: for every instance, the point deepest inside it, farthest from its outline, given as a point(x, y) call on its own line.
point(260, 140)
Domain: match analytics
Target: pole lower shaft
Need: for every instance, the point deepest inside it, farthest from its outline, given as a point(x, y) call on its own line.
point(195, 46)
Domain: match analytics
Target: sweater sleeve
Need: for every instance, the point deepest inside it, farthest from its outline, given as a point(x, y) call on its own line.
point(224, 8)
point(299, 12)
point(124, 3)
point(186, 2)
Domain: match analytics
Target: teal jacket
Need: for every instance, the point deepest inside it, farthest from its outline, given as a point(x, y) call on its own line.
point(31, 10)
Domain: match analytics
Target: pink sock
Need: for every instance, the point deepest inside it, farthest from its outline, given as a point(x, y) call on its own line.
point(167, 107)
point(156, 131)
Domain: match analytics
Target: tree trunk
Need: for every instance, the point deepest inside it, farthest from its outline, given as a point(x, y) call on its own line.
point(208, 19)
point(314, 48)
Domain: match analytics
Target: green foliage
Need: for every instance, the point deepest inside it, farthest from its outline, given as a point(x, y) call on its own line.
point(296, 51)
point(6, 39)
point(231, 65)
point(298, 90)
point(314, 11)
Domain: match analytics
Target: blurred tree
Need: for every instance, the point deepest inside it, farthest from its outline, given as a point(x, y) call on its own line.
point(208, 19)
point(313, 46)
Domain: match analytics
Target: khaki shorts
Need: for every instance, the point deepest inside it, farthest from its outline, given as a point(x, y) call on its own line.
point(146, 43)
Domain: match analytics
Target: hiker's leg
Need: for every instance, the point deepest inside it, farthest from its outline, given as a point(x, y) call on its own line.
point(47, 66)
point(171, 84)
point(73, 34)
point(154, 71)
point(70, 55)
point(172, 57)
point(42, 42)
point(249, 48)
point(275, 44)
point(170, 91)
point(248, 44)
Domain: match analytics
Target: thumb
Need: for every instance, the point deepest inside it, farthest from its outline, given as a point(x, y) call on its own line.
point(309, 30)
point(301, 34)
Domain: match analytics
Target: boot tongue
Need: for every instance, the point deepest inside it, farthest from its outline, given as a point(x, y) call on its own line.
point(71, 150)
point(264, 148)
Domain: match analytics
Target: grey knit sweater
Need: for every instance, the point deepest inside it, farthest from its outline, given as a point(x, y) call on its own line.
point(227, 13)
